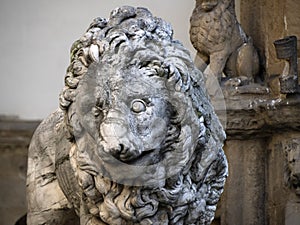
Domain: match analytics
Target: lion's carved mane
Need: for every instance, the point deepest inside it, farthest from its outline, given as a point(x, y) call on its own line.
point(167, 166)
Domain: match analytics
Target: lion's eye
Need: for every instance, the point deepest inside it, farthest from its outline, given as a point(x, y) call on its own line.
point(138, 106)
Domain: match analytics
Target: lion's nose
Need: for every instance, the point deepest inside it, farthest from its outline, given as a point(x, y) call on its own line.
point(113, 129)
point(120, 151)
point(114, 124)
point(117, 139)
point(124, 152)
point(117, 149)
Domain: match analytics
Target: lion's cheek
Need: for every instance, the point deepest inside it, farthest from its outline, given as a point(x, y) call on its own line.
point(157, 134)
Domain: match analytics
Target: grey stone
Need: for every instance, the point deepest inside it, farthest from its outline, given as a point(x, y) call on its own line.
point(221, 42)
point(136, 140)
point(15, 137)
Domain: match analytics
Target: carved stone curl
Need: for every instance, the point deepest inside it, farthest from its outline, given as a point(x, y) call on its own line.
point(221, 42)
point(136, 140)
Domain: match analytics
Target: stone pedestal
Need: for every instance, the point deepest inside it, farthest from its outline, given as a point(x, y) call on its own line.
point(282, 202)
point(244, 190)
point(292, 213)
point(259, 127)
point(15, 136)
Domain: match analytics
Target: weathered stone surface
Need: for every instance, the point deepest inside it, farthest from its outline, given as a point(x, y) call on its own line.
point(266, 21)
point(283, 179)
point(286, 49)
point(245, 187)
point(262, 139)
point(292, 212)
point(136, 140)
point(221, 42)
point(259, 115)
point(276, 190)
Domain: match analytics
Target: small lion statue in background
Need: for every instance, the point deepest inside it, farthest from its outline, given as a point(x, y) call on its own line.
point(221, 42)
point(136, 139)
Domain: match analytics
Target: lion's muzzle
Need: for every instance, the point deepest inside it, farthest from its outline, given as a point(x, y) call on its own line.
point(118, 140)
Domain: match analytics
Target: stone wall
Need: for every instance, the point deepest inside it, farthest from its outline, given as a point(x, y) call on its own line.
point(15, 136)
point(260, 131)
point(261, 128)
point(266, 21)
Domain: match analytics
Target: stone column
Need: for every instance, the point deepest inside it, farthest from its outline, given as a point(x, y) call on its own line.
point(245, 186)
point(275, 188)
point(283, 202)
point(260, 131)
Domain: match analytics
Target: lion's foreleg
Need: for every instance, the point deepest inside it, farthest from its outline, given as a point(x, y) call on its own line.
point(217, 64)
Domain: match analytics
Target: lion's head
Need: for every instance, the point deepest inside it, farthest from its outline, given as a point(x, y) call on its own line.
point(146, 139)
point(209, 5)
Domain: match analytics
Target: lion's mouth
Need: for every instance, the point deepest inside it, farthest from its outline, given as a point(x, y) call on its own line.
point(142, 170)
point(146, 158)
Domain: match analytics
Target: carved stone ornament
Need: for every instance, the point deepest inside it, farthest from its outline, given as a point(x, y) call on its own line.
point(286, 49)
point(136, 140)
point(221, 42)
point(292, 164)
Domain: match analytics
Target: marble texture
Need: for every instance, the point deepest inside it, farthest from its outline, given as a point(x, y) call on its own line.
point(136, 139)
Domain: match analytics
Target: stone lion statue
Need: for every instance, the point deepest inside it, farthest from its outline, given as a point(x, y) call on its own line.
point(220, 40)
point(136, 140)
